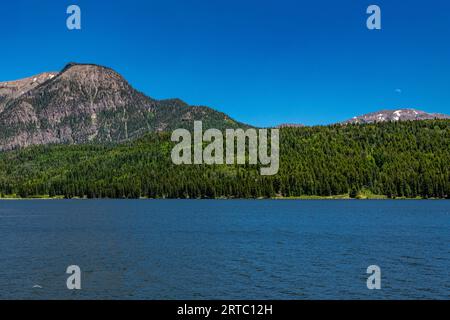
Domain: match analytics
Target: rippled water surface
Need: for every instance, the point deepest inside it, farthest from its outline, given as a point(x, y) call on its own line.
point(224, 249)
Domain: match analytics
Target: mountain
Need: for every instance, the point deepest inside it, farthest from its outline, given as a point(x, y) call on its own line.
point(396, 115)
point(86, 102)
point(290, 125)
point(13, 89)
point(91, 103)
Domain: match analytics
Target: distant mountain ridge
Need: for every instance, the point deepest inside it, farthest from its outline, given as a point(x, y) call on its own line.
point(91, 103)
point(290, 125)
point(396, 115)
point(384, 116)
point(87, 102)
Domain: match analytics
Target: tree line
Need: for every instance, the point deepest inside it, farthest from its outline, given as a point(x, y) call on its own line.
point(395, 159)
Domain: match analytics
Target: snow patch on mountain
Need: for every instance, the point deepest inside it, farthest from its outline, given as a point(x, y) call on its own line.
point(396, 115)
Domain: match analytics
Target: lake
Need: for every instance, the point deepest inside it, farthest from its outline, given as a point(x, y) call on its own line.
point(224, 249)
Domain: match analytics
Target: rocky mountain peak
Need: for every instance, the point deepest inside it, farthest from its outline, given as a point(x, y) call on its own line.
point(88, 102)
point(10, 90)
point(79, 70)
point(396, 115)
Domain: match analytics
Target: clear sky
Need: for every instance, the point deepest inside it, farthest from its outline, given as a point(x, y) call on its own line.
point(262, 62)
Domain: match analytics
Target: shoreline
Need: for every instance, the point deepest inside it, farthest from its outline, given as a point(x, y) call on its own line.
point(341, 197)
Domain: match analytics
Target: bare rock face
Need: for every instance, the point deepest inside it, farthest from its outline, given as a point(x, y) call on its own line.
point(13, 89)
point(85, 103)
point(397, 115)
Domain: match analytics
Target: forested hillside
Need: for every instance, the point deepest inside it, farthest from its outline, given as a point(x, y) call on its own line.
point(395, 159)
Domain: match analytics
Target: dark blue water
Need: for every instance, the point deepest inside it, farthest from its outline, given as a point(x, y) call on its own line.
point(225, 249)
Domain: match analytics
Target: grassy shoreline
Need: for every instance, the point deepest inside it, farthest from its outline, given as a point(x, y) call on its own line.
point(336, 197)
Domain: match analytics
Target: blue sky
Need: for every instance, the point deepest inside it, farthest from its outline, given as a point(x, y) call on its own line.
point(262, 62)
